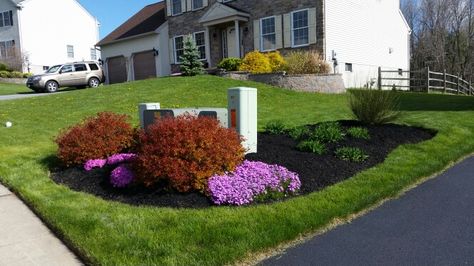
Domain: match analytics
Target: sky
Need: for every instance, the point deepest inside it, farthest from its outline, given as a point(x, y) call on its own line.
point(112, 13)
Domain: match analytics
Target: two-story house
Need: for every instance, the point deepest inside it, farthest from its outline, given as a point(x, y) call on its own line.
point(36, 34)
point(356, 37)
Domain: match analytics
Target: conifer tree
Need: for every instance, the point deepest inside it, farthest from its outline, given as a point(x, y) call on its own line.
point(190, 62)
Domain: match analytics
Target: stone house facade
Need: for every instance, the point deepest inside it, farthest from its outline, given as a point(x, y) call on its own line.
point(232, 28)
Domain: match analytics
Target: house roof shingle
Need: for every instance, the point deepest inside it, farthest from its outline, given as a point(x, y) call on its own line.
point(145, 21)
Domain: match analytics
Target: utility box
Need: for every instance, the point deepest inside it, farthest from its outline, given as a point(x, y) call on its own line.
point(242, 108)
point(220, 114)
point(142, 107)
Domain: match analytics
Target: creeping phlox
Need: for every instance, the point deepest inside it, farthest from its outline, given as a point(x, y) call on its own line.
point(121, 176)
point(250, 181)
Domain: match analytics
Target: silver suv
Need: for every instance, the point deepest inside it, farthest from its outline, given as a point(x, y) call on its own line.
point(78, 74)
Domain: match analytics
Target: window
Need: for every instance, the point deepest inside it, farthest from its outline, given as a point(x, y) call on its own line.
point(198, 4)
point(80, 67)
point(70, 51)
point(176, 8)
point(3, 50)
point(93, 67)
point(400, 72)
point(7, 49)
point(267, 34)
point(66, 69)
point(6, 19)
point(93, 54)
point(299, 28)
point(178, 48)
point(199, 38)
point(348, 67)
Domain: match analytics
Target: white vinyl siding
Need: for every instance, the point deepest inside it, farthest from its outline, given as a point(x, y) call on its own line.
point(300, 28)
point(267, 34)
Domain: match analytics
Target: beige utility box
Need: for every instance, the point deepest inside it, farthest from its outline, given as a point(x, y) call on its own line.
point(242, 108)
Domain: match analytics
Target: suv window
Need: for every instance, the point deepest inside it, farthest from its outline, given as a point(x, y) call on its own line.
point(80, 67)
point(66, 69)
point(93, 67)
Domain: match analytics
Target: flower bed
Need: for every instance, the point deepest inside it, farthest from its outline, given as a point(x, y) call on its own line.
point(314, 171)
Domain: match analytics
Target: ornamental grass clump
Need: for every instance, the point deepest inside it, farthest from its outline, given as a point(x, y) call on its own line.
point(328, 132)
point(253, 181)
point(374, 107)
point(97, 137)
point(185, 152)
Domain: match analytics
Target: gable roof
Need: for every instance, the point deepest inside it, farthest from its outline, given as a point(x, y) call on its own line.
point(145, 21)
point(219, 12)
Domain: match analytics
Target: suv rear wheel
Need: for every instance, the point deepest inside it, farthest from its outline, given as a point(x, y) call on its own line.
point(94, 82)
point(51, 86)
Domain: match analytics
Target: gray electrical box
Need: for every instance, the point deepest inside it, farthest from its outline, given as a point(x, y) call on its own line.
point(151, 116)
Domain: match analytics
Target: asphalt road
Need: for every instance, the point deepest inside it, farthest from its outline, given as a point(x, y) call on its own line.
point(433, 224)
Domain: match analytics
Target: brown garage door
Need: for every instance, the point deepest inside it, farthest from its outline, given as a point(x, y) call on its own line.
point(117, 70)
point(144, 65)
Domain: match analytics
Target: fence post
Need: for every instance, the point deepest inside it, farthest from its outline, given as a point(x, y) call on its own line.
point(428, 79)
point(444, 74)
point(379, 79)
point(457, 85)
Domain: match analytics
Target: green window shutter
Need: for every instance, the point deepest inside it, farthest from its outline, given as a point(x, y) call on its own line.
point(168, 8)
point(287, 30)
point(278, 32)
point(171, 51)
point(183, 6)
point(256, 34)
point(312, 25)
point(190, 5)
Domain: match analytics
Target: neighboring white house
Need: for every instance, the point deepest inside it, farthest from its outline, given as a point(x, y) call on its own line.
point(47, 32)
point(364, 35)
point(138, 49)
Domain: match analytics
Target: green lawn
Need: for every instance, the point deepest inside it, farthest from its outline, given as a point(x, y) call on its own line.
point(7, 89)
point(111, 233)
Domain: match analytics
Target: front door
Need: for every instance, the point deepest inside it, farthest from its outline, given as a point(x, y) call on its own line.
point(228, 43)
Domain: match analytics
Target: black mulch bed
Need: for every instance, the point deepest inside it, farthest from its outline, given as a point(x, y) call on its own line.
point(315, 171)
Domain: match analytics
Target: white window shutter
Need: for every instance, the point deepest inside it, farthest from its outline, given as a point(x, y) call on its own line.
point(171, 51)
point(190, 5)
point(312, 25)
point(183, 6)
point(256, 34)
point(168, 8)
point(205, 3)
point(287, 30)
point(278, 32)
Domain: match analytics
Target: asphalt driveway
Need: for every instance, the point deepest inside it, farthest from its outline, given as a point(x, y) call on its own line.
point(432, 224)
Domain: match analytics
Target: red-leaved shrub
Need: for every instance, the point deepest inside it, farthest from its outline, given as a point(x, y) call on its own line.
point(96, 137)
point(186, 151)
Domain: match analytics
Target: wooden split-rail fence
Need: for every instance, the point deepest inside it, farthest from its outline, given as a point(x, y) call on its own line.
point(424, 80)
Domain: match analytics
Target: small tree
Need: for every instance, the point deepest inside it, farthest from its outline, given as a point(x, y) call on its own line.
point(190, 60)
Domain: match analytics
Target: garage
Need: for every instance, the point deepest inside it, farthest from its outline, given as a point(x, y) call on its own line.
point(144, 65)
point(117, 70)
